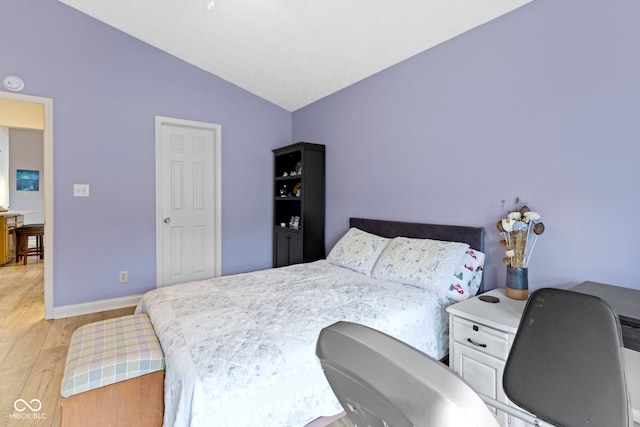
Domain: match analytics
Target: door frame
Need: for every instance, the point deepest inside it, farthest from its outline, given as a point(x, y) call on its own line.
point(217, 131)
point(47, 146)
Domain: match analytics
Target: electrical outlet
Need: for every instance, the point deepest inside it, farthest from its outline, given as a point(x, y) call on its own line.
point(123, 276)
point(80, 190)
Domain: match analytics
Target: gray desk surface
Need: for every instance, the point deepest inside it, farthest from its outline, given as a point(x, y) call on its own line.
point(625, 301)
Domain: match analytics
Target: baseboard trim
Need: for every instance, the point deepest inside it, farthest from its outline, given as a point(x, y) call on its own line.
point(95, 306)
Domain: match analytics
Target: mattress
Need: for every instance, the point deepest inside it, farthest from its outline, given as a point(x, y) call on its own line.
point(240, 350)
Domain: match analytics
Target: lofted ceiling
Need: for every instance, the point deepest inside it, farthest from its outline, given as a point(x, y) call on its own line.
point(294, 52)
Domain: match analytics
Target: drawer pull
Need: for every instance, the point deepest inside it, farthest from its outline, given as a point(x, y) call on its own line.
point(477, 344)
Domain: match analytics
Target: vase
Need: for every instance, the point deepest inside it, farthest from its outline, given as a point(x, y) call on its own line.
point(517, 286)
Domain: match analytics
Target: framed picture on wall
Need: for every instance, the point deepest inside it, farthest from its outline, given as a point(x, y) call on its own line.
point(27, 180)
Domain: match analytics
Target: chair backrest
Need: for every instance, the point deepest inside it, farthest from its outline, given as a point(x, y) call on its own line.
point(381, 381)
point(566, 363)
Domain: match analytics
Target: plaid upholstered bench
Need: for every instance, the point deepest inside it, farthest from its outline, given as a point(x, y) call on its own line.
point(114, 374)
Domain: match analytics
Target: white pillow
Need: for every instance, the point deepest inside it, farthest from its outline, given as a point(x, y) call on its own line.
point(423, 263)
point(467, 276)
point(357, 250)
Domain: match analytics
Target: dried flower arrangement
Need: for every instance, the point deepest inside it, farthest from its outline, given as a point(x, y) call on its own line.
point(520, 231)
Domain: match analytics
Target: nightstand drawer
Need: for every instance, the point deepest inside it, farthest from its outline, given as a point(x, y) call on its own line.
point(482, 338)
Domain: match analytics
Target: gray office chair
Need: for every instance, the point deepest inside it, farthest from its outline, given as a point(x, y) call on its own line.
point(565, 366)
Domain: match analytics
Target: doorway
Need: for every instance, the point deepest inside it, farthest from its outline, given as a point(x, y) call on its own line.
point(47, 180)
point(188, 198)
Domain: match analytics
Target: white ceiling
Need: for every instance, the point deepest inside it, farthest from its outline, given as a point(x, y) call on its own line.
point(294, 52)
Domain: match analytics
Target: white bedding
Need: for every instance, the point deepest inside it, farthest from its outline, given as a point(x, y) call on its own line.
point(240, 350)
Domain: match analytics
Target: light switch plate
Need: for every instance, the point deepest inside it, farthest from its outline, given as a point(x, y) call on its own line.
point(80, 190)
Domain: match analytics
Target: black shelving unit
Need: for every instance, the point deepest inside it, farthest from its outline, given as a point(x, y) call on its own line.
point(299, 203)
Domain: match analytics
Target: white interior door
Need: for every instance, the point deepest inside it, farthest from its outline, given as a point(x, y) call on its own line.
point(188, 200)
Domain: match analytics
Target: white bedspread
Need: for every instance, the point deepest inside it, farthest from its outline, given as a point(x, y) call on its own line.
point(240, 350)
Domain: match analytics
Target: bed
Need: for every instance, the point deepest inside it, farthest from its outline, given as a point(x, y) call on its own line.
point(240, 350)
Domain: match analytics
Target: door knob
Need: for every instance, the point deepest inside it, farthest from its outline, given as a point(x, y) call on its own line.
point(167, 220)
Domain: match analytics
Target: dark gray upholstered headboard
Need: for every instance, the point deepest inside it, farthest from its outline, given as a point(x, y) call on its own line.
point(473, 236)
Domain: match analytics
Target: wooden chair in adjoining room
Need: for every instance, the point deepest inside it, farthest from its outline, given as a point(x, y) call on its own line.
point(22, 241)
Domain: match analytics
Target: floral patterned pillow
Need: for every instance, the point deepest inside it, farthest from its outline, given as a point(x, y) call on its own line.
point(357, 250)
point(467, 277)
point(423, 263)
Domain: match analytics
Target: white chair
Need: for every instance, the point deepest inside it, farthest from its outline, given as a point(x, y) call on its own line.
point(565, 366)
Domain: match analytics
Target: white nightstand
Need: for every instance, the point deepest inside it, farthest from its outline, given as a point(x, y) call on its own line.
point(481, 335)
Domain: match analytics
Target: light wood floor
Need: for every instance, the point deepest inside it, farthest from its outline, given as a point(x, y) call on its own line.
point(33, 350)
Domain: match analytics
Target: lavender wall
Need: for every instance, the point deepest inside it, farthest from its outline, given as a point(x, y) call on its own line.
point(107, 89)
point(540, 104)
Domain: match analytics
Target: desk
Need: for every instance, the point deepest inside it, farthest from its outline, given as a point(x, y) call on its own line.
point(625, 302)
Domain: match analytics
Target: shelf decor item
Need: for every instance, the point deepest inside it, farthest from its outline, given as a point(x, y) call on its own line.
point(520, 230)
